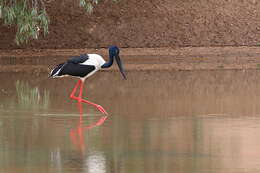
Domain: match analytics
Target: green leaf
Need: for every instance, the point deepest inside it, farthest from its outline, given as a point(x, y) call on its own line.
point(89, 7)
point(82, 3)
point(34, 12)
point(1, 11)
point(21, 29)
point(27, 16)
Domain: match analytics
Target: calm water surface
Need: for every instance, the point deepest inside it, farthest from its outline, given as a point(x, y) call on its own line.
point(186, 121)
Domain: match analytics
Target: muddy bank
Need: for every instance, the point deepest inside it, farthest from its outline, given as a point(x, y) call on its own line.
point(140, 23)
point(189, 58)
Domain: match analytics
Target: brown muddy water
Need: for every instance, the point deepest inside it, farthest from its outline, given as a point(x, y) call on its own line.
point(159, 121)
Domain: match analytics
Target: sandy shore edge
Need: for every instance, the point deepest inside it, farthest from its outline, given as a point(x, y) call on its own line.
point(187, 58)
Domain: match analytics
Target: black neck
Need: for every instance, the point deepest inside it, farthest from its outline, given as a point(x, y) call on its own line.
point(109, 63)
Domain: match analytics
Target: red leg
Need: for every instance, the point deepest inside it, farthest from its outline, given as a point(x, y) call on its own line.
point(79, 98)
point(77, 137)
point(98, 123)
point(100, 108)
point(72, 95)
point(80, 92)
point(80, 112)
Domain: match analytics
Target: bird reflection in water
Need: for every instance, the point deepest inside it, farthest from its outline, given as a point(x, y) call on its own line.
point(77, 134)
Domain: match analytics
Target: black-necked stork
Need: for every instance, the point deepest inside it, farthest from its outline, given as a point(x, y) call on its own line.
point(84, 66)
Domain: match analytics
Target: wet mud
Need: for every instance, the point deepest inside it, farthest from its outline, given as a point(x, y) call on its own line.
point(189, 58)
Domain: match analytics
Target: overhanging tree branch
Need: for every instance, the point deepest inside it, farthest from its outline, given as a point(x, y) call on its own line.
point(30, 17)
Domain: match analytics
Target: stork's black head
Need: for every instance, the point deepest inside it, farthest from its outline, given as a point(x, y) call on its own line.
point(114, 53)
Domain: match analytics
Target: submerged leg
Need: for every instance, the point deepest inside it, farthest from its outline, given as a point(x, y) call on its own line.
point(79, 98)
point(80, 92)
point(72, 95)
point(99, 107)
point(80, 112)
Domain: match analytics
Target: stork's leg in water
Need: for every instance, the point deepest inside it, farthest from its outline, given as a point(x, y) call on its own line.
point(100, 108)
point(72, 94)
point(79, 98)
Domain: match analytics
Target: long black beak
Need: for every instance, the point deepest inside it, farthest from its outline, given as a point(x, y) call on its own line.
point(120, 65)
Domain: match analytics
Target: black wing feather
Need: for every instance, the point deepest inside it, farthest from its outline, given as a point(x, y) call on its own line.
point(73, 67)
point(78, 59)
point(77, 70)
point(55, 70)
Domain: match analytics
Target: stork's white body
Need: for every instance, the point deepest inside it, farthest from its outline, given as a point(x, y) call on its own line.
point(95, 60)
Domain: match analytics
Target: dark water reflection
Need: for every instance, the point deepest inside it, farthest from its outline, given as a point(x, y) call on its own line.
point(192, 121)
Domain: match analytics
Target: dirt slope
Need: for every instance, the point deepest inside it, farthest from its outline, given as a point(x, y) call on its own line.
point(153, 23)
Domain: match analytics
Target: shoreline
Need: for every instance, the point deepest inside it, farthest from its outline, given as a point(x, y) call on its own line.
point(176, 59)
